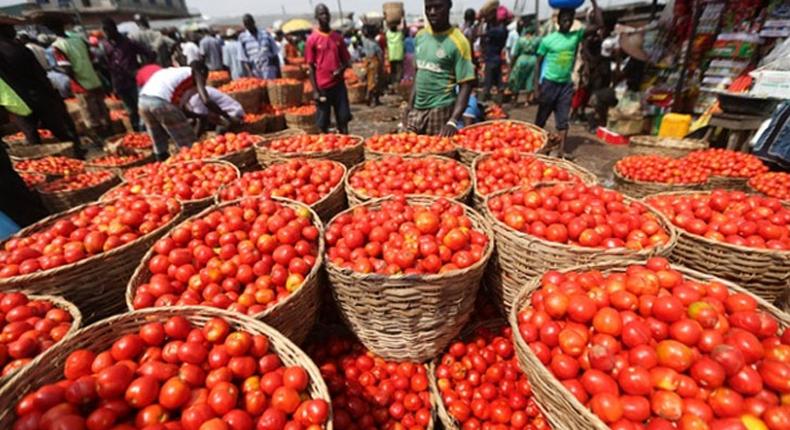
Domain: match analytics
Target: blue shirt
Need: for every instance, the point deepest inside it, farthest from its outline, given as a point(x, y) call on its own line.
point(231, 58)
point(260, 52)
point(408, 45)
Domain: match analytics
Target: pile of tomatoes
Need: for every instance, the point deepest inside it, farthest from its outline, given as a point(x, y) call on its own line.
point(19, 137)
point(29, 327)
point(400, 237)
point(245, 257)
point(139, 140)
point(495, 111)
point(588, 216)
point(499, 135)
point(302, 179)
point(481, 385)
point(507, 168)
point(440, 177)
point(313, 143)
point(142, 171)
point(243, 84)
point(214, 147)
point(77, 182)
point(32, 180)
point(772, 184)
point(218, 75)
point(729, 216)
point(194, 180)
point(95, 229)
point(649, 347)
point(727, 163)
point(660, 169)
point(116, 160)
point(250, 118)
point(369, 392)
point(409, 143)
point(175, 375)
point(305, 110)
point(285, 81)
point(51, 165)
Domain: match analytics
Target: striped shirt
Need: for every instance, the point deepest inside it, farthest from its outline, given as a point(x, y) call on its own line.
point(260, 52)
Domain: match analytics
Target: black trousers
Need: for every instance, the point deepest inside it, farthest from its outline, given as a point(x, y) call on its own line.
point(49, 113)
point(18, 202)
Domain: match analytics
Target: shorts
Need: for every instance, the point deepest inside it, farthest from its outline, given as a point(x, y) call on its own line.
point(337, 98)
point(429, 121)
point(554, 97)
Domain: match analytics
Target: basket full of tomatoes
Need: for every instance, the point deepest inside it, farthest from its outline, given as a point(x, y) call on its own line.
point(217, 78)
point(625, 343)
point(285, 93)
point(549, 226)
point(772, 184)
point(301, 117)
point(642, 175)
point(32, 325)
point(744, 238)
point(488, 136)
point(234, 148)
point(247, 91)
point(728, 169)
point(405, 272)
point(81, 254)
point(53, 166)
point(407, 144)
point(312, 181)
point(118, 163)
point(71, 191)
point(184, 367)
point(19, 138)
point(430, 175)
point(138, 142)
point(507, 168)
point(258, 256)
point(337, 147)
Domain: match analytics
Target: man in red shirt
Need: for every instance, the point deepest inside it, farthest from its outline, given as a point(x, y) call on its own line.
point(328, 58)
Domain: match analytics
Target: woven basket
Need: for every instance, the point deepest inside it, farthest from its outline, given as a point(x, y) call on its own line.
point(640, 189)
point(752, 190)
point(102, 335)
point(249, 100)
point(283, 95)
point(667, 146)
point(264, 156)
point(94, 284)
point(357, 197)
point(349, 156)
point(292, 316)
point(244, 159)
point(763, 272)
point(300, 121)
point(371, 155)
point(261, 126)
point(24, 152)
point(293, 73)
point(76, 322)
point(357, 94)
point(408, 317)
point(12, 140)
point(118, 170)
point(467, 156)
point(519, 257)
point(60, 201)
point(727, 183)
point(580, 172)
point(216, 83)
point(563, 409)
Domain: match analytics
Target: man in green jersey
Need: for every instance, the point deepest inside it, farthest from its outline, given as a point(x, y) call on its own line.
point(556, 57)
point(444, 62)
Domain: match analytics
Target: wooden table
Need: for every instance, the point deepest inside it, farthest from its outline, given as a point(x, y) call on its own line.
point(740, 128)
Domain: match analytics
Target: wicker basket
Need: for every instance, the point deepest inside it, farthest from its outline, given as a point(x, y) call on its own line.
point(357, 94)
point(763, 272)
point(283, 95)
point(13, 140)
point(102, 335)
point(563, 409)
point(580, 172)
point(216, 83)
point(250, 100)
point(371, 154)
point(667, 146)
point(94, 284)
point(348, 156)
point(118, 170)
point(408, 317)
point(295, 73)
point(301, 121)
point(640, 189)
point(292, 316)
point(244, 159)
point(519, 257)
point(727, 183)
point(24, 152)
point(59, 201)
point(357, 197)
point(76, 322)
point(261, 126)
point(467, 156)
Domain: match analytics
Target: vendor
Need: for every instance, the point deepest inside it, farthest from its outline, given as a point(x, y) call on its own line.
point(195, 108)
point(444, 60)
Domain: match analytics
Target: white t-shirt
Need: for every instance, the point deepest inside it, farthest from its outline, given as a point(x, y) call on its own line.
point(169, 84)
point(191, 51)
point(224, 101)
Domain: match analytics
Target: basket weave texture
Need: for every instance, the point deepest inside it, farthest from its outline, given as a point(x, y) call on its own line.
point(59, 201)
point(292, 316)
point(562, 409)
point(250, 100)
point(18, 152)
point(283, 95)
point(102, 335)
point(668, 146)
point(408, 317)
point(640, 189)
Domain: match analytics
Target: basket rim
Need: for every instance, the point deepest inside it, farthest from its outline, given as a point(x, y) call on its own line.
point(619, 177)
point(762, 194)
point(263, 85)
point(543, 133)
point(311, 206)
point(710, 242)
point(416, 199)
point(377, 153)
point(85, 261)
point(13, 160)
point(264, 146)
point(312, 274)
point(540, 157)
point(613, 266)
point(651, 141)
point(142, 157)
point(661, 219)
point(361, 196)
point(66, 193)
point(222, 157)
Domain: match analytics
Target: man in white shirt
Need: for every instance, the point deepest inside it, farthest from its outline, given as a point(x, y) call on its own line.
point(190, 49)
point(195, 108)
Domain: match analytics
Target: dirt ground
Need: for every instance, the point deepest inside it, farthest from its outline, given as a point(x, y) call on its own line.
point(586, 149)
